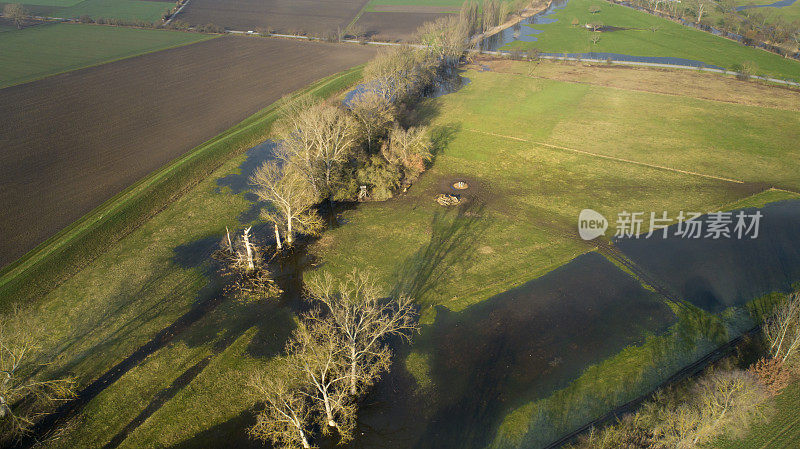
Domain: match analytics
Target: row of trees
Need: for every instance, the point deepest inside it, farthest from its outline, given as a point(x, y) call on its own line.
point(482, 16)
point(754, 25)
point(338, 350)
point(369, 147)
point(725, 400)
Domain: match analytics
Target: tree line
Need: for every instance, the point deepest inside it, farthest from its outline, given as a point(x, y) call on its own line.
point(724, 401)
point(754, 25)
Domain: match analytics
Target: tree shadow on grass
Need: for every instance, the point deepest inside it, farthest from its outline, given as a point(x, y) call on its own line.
point(240, 182)
point(454, 238)
point(229, 434)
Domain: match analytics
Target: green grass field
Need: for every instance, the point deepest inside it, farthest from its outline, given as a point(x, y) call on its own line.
point(40, 51)
point(130, 10)
point(638, 39)
point(530, 193)
point(789, 13)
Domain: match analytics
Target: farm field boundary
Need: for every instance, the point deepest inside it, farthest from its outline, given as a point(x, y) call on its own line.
point(65, 253)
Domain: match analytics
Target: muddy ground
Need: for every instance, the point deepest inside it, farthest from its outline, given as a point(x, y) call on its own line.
point(71, 141)
point(314, 17)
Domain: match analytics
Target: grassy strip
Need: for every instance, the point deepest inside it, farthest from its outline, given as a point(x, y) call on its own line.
point(635, 371)
point(38, 52)
point(58, 258)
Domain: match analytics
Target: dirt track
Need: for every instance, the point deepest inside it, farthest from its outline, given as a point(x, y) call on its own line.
point(314, 17)
point(71, 141)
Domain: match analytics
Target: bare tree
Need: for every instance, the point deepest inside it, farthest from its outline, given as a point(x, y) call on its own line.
point(318, 356)
point(374, 112)
point(782, 329)
point(410, 148)
point(398, 73)
point(317, 139)
point(16, 13)
point(364, 320)
point(446, 38)
point(286, 416)
point(701, 8)
point(24, 396)
point(244, 262)
point(291, 200)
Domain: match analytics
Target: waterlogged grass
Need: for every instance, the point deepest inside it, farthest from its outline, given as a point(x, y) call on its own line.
point(144, 282)
point(638, 38)
point(40, 51)
point(762, 199)
point(633, 372)
point(519, 224)
point(514, 140)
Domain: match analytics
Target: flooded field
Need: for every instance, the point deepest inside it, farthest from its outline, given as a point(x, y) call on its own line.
point(717, 274)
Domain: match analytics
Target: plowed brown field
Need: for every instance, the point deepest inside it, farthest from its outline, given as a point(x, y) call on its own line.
point(394, 26)
point(71, 141)
point(314, 17)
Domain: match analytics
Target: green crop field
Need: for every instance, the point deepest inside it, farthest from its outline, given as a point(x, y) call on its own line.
point(58, 3)
point(44, 50)
point(642, 34)
point(130, 10)
point(535, 151)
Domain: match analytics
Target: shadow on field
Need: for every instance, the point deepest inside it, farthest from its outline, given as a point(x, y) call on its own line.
point(515, 347)
point(230, 434)
point(454, 238)
point(714, 274)
point(240, 182)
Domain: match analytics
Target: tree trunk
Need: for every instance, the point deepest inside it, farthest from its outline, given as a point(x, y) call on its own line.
point(277, 237)
point(328, 411)
point(246, 238)
point(303, 439)
point(289, 231)
point(353, 371)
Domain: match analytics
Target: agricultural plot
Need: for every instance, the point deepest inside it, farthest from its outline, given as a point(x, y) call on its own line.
point(636, 33)
point(314, 17)
point(43, 50)
point(394, 26)
point(130, 10)
point(509, 136)
point(74, 140)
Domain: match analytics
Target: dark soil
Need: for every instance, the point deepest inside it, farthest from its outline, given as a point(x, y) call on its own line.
point(71, 141)
point(314, 17)
point(394, 26)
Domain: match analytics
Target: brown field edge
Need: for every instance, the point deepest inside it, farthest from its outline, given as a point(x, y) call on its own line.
point(65, 253)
